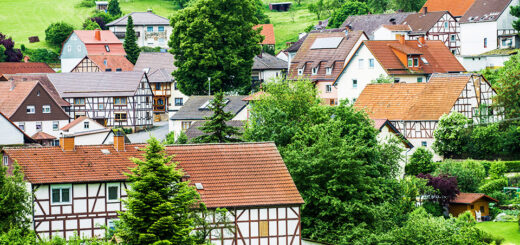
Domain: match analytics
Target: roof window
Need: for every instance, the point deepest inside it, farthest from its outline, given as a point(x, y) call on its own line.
point(107, 48)
point(105, 151)
point(199, 186)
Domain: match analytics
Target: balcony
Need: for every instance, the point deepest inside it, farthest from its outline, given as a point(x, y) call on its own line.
point(507, 32)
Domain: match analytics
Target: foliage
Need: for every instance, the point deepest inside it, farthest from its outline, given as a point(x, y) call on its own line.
point(182, 139)
point(89, 24)
point(214, 45)
point(219, 219)
point(383, 79)
point(42, 55)
point(445, 185)
point(260, 15)
point(102, 19)
point(113, 8)
point(348, 8)
point(515, 11)
point(215, 128)
point(433, 208)
point(490, 74)
point(159, 204)
point(493, 186)
point(17, 236)
point(268, 49)
point(513, 166)
point(87, 3)
point(486, 141)
point(9, 54)
point(470, 174)
point(170, 138)
point(497, 170)
point(318, 8)
point(412, 190)
point(507, 87)
point(500, 196)
point(408, 5)
point(15, 201)
point(421, 161)
point(130, 44)
point(181, 3)
point(150, 49)
point(450, 134)
point(378, 6)
point(57, 33)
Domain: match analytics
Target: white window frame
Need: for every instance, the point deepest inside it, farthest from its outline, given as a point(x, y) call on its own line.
point(5, 160)
point(328, 88)
point(328, 70)
point(86, 125)
point(410, 62)
point(453, 37)
point(149, 27)
point(55, 125)
point(185, 125)
point(424, 143)
point(108, 185)
point(61, 187)
point(315, 70)
point(31, 109)
point(371, 63)
point(414, 60)
point(44, 107)
point(354, 83)
point(181, 101)
point(36, 126)
point(21, 126)
point(159, 29)
point(300, 71)
point(419, 79)
point(360, 63)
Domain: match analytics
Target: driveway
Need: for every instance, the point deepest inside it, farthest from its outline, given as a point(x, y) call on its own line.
point(159, 131)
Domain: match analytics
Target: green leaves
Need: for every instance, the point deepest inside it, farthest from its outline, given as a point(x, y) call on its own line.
point(130, 44)
point(15, 201)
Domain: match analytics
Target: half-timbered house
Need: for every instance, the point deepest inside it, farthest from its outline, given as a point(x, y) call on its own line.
point(113, 99)
point(100, 63)
point(77, 189)
point(415, 108)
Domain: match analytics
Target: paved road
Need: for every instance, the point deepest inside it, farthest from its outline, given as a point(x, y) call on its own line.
point(159, 131)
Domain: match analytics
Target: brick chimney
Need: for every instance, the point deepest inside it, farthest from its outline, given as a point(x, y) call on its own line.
point(11, 84)
point(67, 143)
point(119, 141)
point(97, 34)
point(26, 59)
point(425, 10)
point(400, 38)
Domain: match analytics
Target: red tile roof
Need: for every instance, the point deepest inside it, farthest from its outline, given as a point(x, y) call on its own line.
point(398, 27)
point(469, 198)
point(255, 96)
point(22, 67)
point(10, 100)
point(268, 33)
point(456, 8)
point(88, 37)
point(242, 174)
point(113, 62)
point(42, 136)
point(99, 49)
point(439, 57)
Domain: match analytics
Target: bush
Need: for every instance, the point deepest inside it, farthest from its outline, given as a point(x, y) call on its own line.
point(56, 33)
point(469, 173)
point(493, 186)
point(87, 3)
point(89, 24)
point(421, 162)
point(486, 141)
point(150, 49)
point(494, 210)
point(497, 170)
point(451, 136)
point(433, 208)
point(513, 166)
point(500, 196)
point(42, 55)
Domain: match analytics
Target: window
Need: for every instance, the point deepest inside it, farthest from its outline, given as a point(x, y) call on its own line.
point(472, 206)
point(397, 80)
point(175, 86)
point(446, 25)
point(120, 101)
point(185, 125)
point(485, 42)
point(419, 79)
point(55, 143)
point(5, 160)
point(424, 144)
point(160, 102)
point(120, 116)
point(105, 62)
point(147, 100)
point(160, 28)
point(179, 101)
point(410, 62)
point(21, 126)
point(69, 48)
point(86, 125)
point(328, 70)
point(61, 194)
point(360, 63)
point(119, 69)
point(108, 69)
point(453, 37)
point(332, 102)
point(370, 63)
point(79, 48)
point(79, 101)
point(354, 83)
point(112, 224)
point(328, 88)
point(263, 228)
point(482, 209)
point(38, 126)
point(107, 48)
point(46, 109)
point(300, 71)
point(149, 28)
point(100, 106)
point(55, 125)
point(157, 86)
point(30, 109)
point(315, 70)
point(113, 191)
point(415, 62)
point(38, 93)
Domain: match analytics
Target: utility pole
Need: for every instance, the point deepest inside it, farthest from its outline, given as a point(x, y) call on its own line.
point(209, 80)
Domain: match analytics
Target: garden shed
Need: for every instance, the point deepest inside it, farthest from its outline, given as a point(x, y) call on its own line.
point(471, 202)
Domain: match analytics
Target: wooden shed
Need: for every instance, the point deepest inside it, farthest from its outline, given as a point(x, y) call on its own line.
point(471, 202)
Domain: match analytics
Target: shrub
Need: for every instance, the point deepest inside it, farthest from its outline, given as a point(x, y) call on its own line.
point(513, 166)
point(493, 186)
point(511, 140)
point(89, 24)
point(56, 33)
point(451, 136)
point(513, 180)
point(494, 210)
point(500, 196)
point(421, 161)
point(486, 141)
point(87, 3)
point(497, 170)
point(433, 208)
point(42, 55)
point(469, 173)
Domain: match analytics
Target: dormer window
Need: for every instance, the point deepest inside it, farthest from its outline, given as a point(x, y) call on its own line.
point(416, 62)
point(410, 62)
point(315, 70)
point(413, 61)
point(328, 70)
point(300, 71)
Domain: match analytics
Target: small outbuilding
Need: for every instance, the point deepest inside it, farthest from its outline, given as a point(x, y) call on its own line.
point(471, 202)
point(101, 5)
point(283, 7)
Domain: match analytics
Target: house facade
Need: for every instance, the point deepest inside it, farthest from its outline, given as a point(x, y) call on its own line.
point(103, 63)
point(267, 67)
point(85, 42)
point(118, 99)
point(389, 32)
point(12, 134)
point(400, 61)
point(86, 131)
point(72, 201)
point(152, 30)
point(415, 108)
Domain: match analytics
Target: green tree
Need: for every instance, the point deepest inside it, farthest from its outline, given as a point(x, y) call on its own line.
point(214, 43)
point(470, 174)
point(486, 141)
point(347, 9)
point(181, 3)
point(57, 33)
point(260, 15)
point(113, 8)
point(408, 5)
point(515, 11)
point(130, 44)
point(383, 79)
point(15, 201)
point(318, 8)
point(159, 204)
point(90, 25)
point(497, 170)
point(451, 136)
point(421, 161)
point(378, 6)
point(508, 88)
point(215, 128)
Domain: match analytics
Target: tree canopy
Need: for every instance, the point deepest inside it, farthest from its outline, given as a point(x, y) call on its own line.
point(348, 8)
point(214, 43)
point(408, 5)
point(7, 51)
point(113, 8)
point(57, 33)
point(15, 201)
point(130, 44)
point(507, 86)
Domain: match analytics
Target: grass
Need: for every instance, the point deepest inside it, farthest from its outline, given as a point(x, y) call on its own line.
point(507, 230)
point(21, 19)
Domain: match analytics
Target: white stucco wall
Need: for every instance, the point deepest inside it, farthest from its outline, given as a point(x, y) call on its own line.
point(47, 127)
point(176, 93)
point(91, 139)
point(481, 62)
point(9, 134)
point(472, 37)
point(80, 127)
point(141, 40)
point(67, 64)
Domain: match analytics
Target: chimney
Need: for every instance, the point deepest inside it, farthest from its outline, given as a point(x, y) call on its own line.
point(425, 10)
point(26, 59)
point(97, 34)
point(11, 84)
point(119, 141)
point(67, 143)
point(400, 38)
point(421, 39)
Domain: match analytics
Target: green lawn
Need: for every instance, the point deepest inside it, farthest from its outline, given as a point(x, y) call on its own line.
point(21, 19)
point(507, 230)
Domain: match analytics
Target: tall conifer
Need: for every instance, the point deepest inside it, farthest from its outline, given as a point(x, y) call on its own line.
point(130, 44)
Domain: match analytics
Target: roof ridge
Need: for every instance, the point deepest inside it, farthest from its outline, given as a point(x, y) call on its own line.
point(227, 143)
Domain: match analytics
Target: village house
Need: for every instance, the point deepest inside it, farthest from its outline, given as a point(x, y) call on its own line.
point(387, 132)
point(321, 59)
point(87, 131)
point(389, 32)
point(476, 203)
point(103, 63)
point(197, 109)
point(415, 108)
point(486, 29)
point(82, 43)
point(68, 199)
point(268, 33)
point(152, 30)
point(12, 134)
point(29, 105)
point(401, 61)
point(113, 99)
point(456, 8)
point(371, 22)
point(267, 67)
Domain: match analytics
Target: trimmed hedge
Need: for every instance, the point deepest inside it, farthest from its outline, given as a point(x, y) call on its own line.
point(512, 166)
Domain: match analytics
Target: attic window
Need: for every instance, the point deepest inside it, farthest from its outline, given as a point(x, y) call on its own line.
point(326, 43)
point(199, 186)
point(105, 151)
point(315, 70)
point(107, 48)
point(328, 70)
point(300, 71)
point(105, 62)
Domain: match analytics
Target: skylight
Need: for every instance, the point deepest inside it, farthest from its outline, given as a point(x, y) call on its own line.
point(326, 43)
point(424, 60)
point(199, 186)
point(105, 151)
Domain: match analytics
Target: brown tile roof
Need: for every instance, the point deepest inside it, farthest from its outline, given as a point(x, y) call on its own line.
point(268, 33)
point(485, 11)
point(114, 62)
point(22, 67)
point(439, 57)
point(75, 122)
point(413, 101)
point(398, 27)
point(88, 37)
point(254, 96)
point(45, 82)
point(421, 22)
point(10, 100)
point(242, 174)
point(469, 198)
point(42, 136)
point(456, 8)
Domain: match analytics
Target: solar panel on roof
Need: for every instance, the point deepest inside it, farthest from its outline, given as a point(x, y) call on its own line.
point(328, 42)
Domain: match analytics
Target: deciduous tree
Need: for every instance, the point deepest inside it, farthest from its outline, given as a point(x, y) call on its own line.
point(451, 135)
point(348, 8)
point(15, 201)
point(508, 88)
point(421, 161)
point(408, 5)
point(470, 174)
point(57, 33)
point(130, 44)
point(9, 54)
